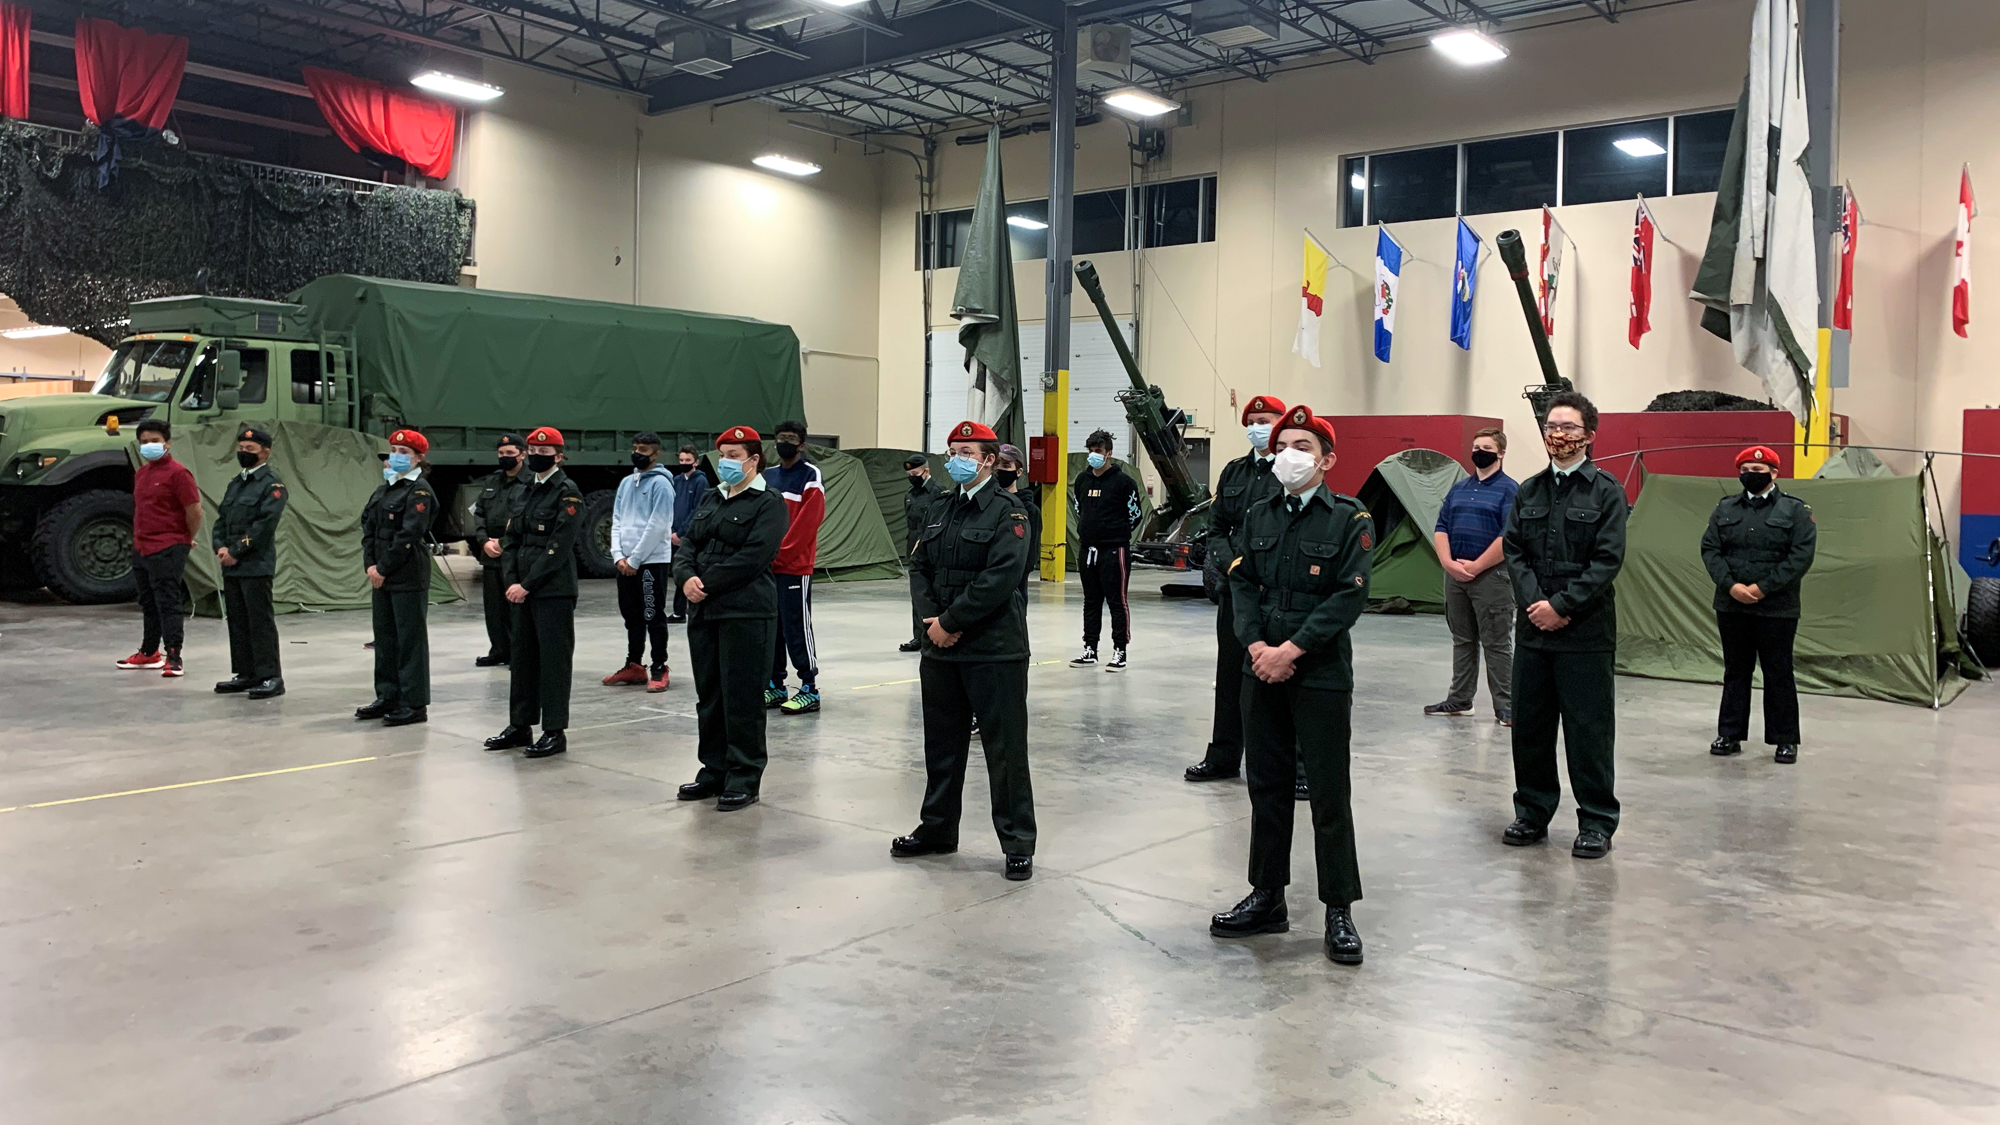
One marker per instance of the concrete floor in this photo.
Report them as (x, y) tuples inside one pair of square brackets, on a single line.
[(419, 932)]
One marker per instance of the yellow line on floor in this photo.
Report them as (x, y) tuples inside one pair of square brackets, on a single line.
[(190, 784), (893, 683)]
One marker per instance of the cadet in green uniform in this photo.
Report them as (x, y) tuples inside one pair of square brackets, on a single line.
[(395, 541), (969, 566), (500, 496), (245, 539), (1564, 544), (538, 554), (1298, 588), (1244, 481), (723, 567), (1758, 546), (1008, 476), (917, 504)]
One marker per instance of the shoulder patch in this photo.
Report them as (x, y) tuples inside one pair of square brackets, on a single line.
[(420, 505), (1020, 531), (1362, 514), (277, 492)]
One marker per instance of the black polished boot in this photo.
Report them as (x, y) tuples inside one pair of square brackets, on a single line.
[(374, 710), (910, 646), (730, 802), (1262, 912), (1787, 754), (404, 716), (1020, 867), (1523, 832), (550, 744), (269, 689), (1343, 941), (1724, 747), (698, 791), (234, 684), (1205, 771), (1590, 844), (489, 661), (511, 737), (914, 845)]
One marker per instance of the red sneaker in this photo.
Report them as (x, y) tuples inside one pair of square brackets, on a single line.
[(658, 680), (171, 667), (630, 674), (143, 660)]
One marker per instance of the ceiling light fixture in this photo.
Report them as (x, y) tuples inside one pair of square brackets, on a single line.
[(790, 167), (452, 86), (32, 331), (1467, 47), (1025, 223), (1139, 103), (1639, 146)]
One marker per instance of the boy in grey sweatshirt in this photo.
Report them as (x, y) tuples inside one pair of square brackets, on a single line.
[(642, 517)]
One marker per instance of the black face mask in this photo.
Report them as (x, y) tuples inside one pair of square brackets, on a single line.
[(540, 463), (1006, 477), (1754, 482), (509, 464), (788, 450), (246, 459), (642, 461), (680, 469), (917, 482), (1484, 458)]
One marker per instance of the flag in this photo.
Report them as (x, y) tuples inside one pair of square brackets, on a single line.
[(1552, 266), (1312, 302), (1850, 229), (1388, 274), (1961, 255), (983, 305), (1464, 279), (1641, 321), (1759, 279)]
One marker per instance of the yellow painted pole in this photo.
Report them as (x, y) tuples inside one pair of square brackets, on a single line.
[(1810, 449), (1055, 506)]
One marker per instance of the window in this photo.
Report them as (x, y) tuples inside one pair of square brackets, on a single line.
[(1354, 191), (1100, 222), (256, 376), (145, 370), (1699, 141), (954, 229), (1615, 162), (1422, 184), (305, 375), (1514, 174), (1171, 213)]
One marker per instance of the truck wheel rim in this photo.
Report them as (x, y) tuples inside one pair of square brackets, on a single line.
[(103, 550), (602, 536)]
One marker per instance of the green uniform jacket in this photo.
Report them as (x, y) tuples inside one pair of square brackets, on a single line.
[(969, 570), (1304, 579), (1766, 543), (1244, 481), (247, 522), (500, 497), (917, 505), (1024, 495), (1565, 545), (538, 549), (730, 545), (395, 533)]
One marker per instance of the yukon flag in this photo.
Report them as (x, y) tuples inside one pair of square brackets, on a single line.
[(1388, 275), (1961, 255), (1643, 231), (1312, 302), (1552, 268), (1850, 231)]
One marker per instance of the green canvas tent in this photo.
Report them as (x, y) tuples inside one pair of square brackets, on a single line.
[(854, 541), (329, 473), (1852, 462), (1879, 620), (1404, 495), (892, 483)]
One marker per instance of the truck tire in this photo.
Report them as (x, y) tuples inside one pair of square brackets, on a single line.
[(1982, 620), (593, 539), (82, 548)]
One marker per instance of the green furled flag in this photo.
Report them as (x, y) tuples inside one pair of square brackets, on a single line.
[(988, 326)]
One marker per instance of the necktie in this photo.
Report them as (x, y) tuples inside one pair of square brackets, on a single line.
[(1294, 505)]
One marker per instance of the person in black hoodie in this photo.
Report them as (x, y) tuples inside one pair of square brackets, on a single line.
[(1107, 510)]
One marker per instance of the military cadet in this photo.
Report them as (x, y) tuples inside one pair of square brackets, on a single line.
[(969, 565), (395, 547), (1297, 589), (1008, 476), (723, 566), (1564, 543), (538, 554), (1758, 547), (245, 538), (1244, 481), (500, 496), (917, 504)]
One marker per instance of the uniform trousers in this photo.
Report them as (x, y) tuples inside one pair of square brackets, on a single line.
[(1286, 725), (158, 578), (1106, 572), (499, 613), (916, 617), (795, 629), (1480, 614), (731, 658), (1573, 691), (402, 646), (1748, 640), (642, 602), (1225, 733), (544, 648), (997, 692), (253, 627)]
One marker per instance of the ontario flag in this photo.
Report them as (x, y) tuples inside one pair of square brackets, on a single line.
[(1850, 230), (1312, 301), (1643, 230), (1961, 258), (1552, 268)]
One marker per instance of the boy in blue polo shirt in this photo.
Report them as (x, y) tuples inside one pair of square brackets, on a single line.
[(1478, 599)]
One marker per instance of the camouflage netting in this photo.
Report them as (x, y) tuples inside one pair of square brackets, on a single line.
[(76, 256), (1704, 400)]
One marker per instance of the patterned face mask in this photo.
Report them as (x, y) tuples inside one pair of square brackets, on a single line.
[(1564, 446)]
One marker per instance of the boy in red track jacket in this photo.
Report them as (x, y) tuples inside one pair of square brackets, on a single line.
[(799, 482)]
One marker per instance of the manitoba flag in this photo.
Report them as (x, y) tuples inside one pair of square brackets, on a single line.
[(1641, 321), (1552, 266), (1312, 302), (1850, 229), (1961, 258)]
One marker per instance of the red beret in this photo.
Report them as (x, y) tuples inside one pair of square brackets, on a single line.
[(1762, 454), (411, 438), (973, 431), (545, 435), (1302, 418), (735, 435), (1262, 404)]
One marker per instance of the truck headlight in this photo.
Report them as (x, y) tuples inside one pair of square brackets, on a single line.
[(28, 464)]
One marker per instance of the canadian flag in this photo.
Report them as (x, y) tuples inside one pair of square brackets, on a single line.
[(1641, 321), (1961, 258)]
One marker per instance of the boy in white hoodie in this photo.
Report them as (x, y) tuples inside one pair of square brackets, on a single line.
[(642, 516)]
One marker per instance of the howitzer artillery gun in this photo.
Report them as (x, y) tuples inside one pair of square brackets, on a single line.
[(1553, 383)]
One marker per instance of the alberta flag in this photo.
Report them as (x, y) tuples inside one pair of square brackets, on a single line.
[(1464, 279), (1388, 274)]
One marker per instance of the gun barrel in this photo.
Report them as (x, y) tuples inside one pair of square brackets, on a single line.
[(1515, 255), (1086, 275)]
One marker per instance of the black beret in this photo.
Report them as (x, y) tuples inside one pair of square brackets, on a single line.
[(510, 439), (915, 459), (252, 433)]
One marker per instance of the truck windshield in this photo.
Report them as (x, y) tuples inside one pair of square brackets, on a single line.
[(145, 370)]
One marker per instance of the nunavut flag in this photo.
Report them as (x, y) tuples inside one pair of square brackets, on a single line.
[(1312, 302)]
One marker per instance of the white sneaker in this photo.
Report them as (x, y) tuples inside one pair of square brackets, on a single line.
[(1087, 660), (1117, 661)]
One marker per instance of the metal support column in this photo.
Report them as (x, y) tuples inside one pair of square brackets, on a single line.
[(1055, 355), (1819, 33)]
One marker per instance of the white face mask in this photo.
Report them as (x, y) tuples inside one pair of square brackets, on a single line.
[(1259, 434), (1293, 468)]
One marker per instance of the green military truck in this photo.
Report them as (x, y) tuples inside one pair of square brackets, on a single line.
[(462, 365)]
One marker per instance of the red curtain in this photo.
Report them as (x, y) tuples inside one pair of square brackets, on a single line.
[(126, 74), (13, 60), (369, 116)]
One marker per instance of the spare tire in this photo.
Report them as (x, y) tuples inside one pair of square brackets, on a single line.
[(82, 548), (593, 539), (1982, 620)]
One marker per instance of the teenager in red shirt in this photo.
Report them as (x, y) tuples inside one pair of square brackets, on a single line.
[(166, 516), (804, 490)]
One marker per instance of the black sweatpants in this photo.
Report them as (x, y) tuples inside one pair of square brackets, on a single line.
[(158, 577), (402, 646), (730, 659), (795, 629), (499, 613), (642, 602), (1573, 690), (1285, 726), (1748, 640), (1106, 572), (544, 647), (253, 627), (955, 691)]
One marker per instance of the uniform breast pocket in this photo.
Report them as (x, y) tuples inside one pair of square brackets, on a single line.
[(1582, 524), (1316, 559), (1532, 513), (1263, 542), (1233, 492), (1778, 528), (1729, 530)]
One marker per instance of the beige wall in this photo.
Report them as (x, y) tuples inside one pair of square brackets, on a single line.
[(68, 356)]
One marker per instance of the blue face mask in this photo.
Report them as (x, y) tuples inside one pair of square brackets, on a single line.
[(152, 450), (399, 463), (731, 472), (1259, 434), (1097, 460), (962, 468)]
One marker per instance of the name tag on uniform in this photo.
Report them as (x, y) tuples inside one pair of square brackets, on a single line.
[(1315, 570)]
